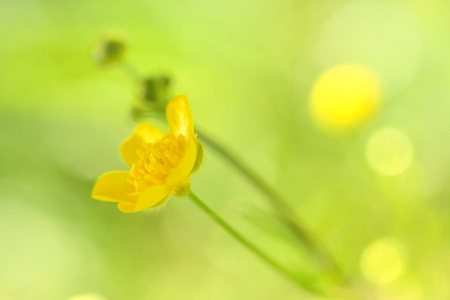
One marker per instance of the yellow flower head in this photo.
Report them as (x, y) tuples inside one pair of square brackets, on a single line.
[(161, 164)]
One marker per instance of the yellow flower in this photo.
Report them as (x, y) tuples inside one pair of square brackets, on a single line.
[(161, 164)]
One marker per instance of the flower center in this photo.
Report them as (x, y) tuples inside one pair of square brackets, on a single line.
[(156, 161)]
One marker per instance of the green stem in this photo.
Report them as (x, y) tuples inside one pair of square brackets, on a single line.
[(131, 71), (250, 246), (284, 212)]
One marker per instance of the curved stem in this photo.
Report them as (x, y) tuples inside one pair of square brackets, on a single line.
[(249, 245), (284, 212)]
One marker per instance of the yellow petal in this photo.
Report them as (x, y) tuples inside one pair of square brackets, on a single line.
[(179, 116), (180, 174), (114, 186), (150, 197), (143, 134), (126, 207)]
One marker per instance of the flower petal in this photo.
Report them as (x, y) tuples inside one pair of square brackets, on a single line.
[(150, 197), (114, 186), (126, 207), (180, 174), (179, 116), (143, 134)]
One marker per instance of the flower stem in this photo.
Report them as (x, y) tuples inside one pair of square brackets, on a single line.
[(131, 71), (283, 210), (250, 246)]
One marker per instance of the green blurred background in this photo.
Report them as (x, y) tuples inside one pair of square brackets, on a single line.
[(248, 68)]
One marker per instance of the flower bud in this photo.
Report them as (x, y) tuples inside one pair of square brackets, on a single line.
[(153, 92), (110, 49)]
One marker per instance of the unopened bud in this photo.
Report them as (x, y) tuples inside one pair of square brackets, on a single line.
[(154, 92), (109, 49)]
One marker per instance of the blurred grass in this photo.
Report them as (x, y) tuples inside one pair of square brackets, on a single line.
[(247, 68)]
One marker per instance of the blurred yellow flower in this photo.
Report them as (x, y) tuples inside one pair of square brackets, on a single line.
[(383, 261), (344, 96), (161, 164)]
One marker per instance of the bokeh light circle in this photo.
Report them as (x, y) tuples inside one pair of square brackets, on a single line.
[(389, 152), (382, 262), (91, 296), (344, 96)]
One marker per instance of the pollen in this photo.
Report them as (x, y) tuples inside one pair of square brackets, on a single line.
[(156, 161)]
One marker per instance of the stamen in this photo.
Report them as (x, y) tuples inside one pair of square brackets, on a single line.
[(156, 161)]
